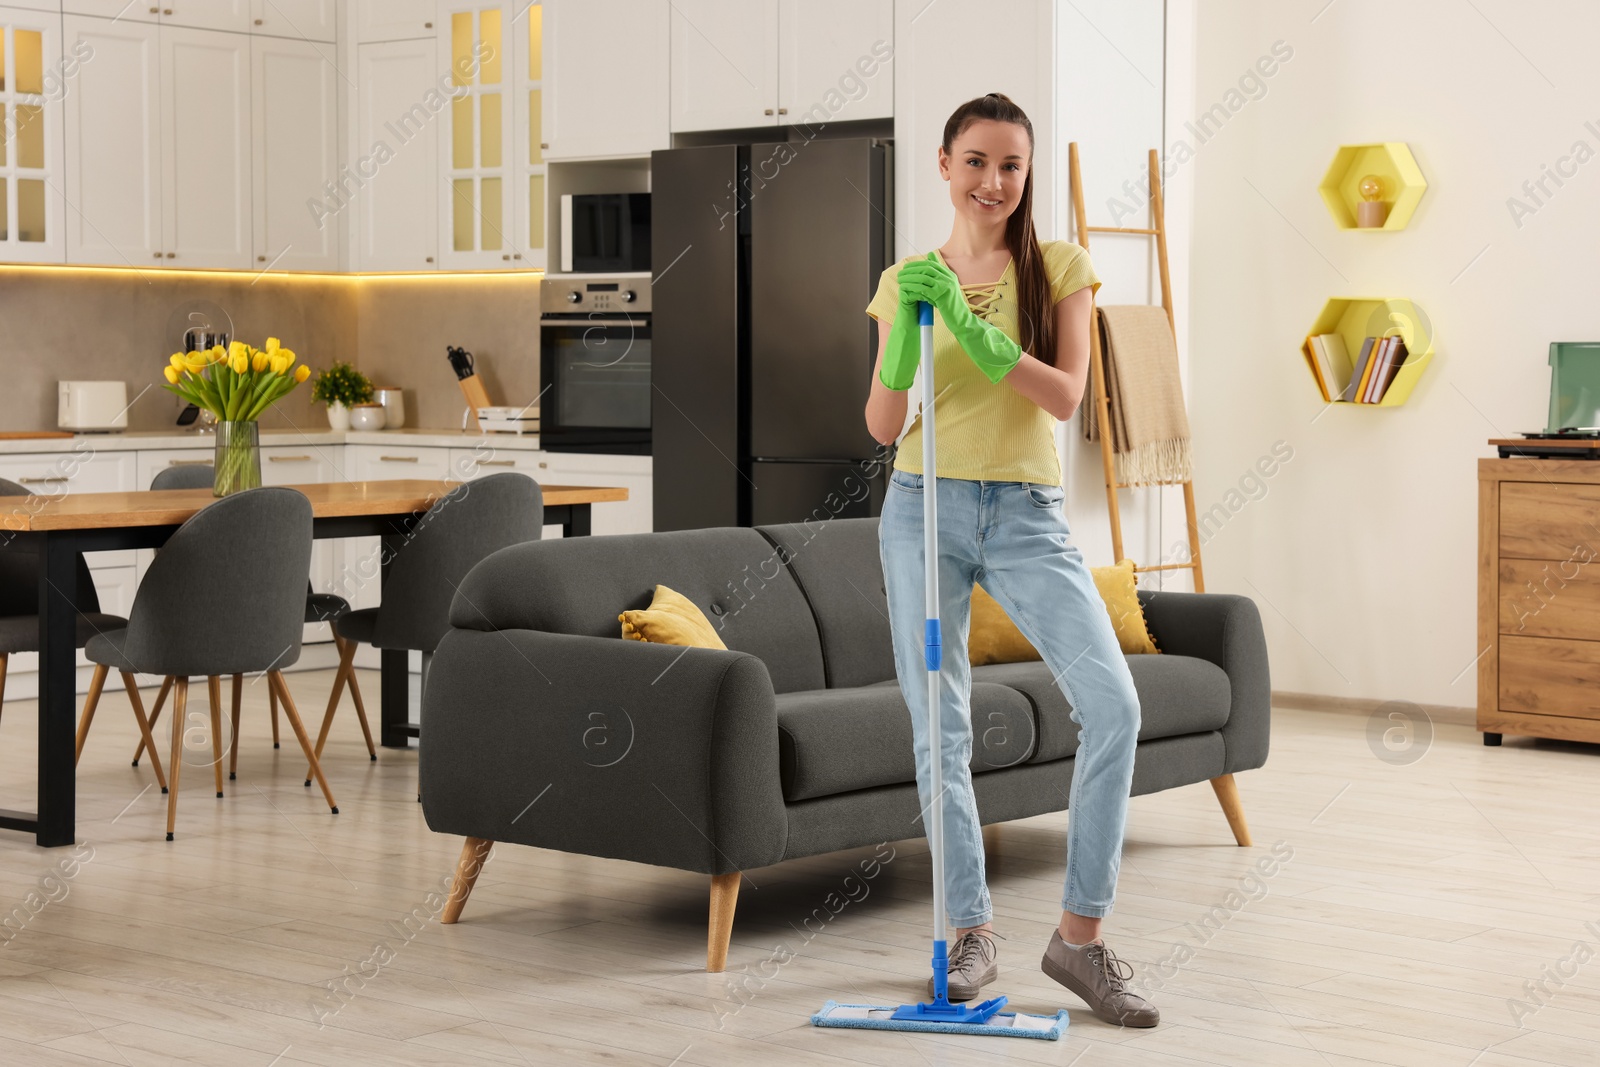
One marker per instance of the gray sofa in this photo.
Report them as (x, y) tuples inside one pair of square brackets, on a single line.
[(796, 741)]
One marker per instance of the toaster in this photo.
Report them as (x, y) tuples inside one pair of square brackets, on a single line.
[(92, 406)]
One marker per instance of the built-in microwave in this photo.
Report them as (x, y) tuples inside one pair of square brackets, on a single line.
[(594, 364), (605, 233)]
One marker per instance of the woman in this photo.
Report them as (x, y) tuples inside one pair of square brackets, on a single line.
[(1011, 355)]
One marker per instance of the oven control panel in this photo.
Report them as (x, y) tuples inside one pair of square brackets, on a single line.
[(619, 294)]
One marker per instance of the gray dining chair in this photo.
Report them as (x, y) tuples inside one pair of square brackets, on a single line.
[(19, 600), (320, 607), (461, 528), (225, 596)]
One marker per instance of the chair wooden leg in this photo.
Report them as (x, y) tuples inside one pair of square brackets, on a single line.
[(180, 708), (361, 707), (275, 678), (4, 658), (474, 854), (233, 744), (146, 738), (1228, 796), (724, 896), (91, 702), (347, 651), (272, 701), (214, 696), (155, 715)]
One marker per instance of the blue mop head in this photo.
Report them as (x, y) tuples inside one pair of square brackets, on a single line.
[(1007, 1024)]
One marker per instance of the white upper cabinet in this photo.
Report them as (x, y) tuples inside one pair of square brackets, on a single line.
[(619, 107), (37, 5), (394, 20), (121, 10), (295, 143), (307, 20), (205, 112), (744, 63), (113, 150), (476, 147), (399, 101), (724, 64), (31, 207), (230, 15), (527, 122), (835, 60)]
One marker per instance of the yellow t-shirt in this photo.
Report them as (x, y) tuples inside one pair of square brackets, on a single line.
[(987, 431)]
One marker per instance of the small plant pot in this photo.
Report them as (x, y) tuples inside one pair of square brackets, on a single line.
[(338, 417), (366, 417)]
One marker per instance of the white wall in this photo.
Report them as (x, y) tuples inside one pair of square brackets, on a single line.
[(1361, 549)]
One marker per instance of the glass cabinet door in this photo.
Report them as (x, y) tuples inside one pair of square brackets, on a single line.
[(31, 90), (477, 41), (530, 168)]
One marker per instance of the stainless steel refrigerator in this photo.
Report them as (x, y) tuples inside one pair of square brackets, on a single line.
[(764, 259)]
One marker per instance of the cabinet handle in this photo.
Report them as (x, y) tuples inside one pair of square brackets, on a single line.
[(188, 463), (172, 255), (768, 111), (53, 480), (261, 259), (544, 144), (155, 11), (542, 466), (497, 463), (505, 257), (398, 459), (427, 25), (283, 459), (258, 22), (517, 256), (783, 111), (166, 11), (429, 260)]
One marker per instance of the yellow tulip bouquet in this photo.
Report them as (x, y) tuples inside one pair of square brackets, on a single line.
[(236, 385)]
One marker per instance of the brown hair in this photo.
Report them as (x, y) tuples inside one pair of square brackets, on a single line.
[(1037, 329)]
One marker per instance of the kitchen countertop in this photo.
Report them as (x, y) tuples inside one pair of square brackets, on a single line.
[(124, 441)]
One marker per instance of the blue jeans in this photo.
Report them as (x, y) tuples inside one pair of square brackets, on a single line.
[(1011, 538)]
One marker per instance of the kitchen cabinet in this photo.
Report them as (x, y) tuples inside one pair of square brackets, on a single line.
[(606, 85), (476, 140), (295, 144), (309, 465), (398, 102), (744, 63), (634, 515), (230, 15), (37, 5), (306, 20), (394, 20), (158, 146), (527, 123), (205, 134), (31, 207), (724, 56)]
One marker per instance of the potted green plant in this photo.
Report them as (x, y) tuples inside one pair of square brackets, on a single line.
[(341, 387)]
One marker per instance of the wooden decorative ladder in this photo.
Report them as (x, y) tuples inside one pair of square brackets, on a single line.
[(1102, 400)]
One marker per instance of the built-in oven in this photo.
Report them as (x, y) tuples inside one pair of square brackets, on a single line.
[(594, 363)]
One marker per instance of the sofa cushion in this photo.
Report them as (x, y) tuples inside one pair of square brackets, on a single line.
[(840, 740), (577, 585), (837, 565), (671, 619), (1177, 695)]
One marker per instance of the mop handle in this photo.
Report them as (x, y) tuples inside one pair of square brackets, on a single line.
[(933, 650)]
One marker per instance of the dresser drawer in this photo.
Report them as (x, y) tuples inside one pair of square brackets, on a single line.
[(153, 461), (1551, 598), (1539, 520), (381, 462), (82, 470), (295, 465), (1549, 676)]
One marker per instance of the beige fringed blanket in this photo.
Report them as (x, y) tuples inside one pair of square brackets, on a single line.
[(1149, 425)]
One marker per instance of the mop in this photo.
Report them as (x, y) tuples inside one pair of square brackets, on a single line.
[(940, 1016)]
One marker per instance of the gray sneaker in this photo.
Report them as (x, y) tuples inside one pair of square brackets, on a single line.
[(972, 965), (1096, 975)]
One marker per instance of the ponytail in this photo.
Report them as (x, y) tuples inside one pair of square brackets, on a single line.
[(1036, 328)]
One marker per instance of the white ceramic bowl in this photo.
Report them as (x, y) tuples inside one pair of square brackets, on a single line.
[(366, 417)]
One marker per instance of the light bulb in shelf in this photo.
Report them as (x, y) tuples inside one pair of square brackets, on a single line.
[(1373, 210), (1371, 188)]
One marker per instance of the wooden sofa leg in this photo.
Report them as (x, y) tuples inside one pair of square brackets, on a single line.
[(474, 854), (1228, 796), (724, 897)]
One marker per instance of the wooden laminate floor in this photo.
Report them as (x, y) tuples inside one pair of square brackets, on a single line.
[(1411, 910)]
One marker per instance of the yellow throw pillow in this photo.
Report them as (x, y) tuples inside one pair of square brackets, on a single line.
[(671, 619), (994, 638)]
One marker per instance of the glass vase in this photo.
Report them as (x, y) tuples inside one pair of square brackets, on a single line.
[(237, 458)]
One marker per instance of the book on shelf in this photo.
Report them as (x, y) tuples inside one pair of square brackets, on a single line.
[(1394, 358), (1358, 375), (1330, 362)]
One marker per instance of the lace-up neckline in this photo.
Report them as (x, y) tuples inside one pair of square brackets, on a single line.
[(981, 296)]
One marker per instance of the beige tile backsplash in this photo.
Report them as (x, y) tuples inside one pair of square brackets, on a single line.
[(68, 324)]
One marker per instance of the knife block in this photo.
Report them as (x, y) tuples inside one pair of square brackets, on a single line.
[(477, 397)]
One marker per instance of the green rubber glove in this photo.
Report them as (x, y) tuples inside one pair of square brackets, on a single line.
[(986, 345), (904, 351)]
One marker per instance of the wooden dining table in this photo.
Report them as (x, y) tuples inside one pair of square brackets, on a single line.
[(62, 526)]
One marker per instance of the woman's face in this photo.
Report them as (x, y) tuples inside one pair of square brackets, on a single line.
[(987, 167)]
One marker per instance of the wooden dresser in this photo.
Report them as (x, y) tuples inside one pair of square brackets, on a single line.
[(1539, 598)]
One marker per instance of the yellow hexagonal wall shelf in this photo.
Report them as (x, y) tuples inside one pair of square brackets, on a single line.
[(1396, 170), (1357, 318)]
